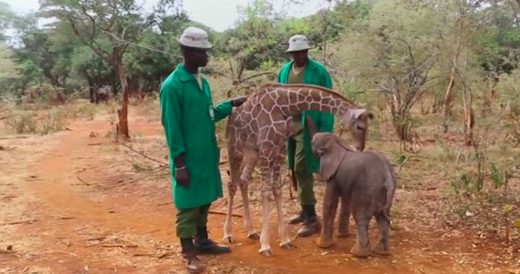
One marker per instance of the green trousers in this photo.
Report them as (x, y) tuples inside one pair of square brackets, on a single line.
[(304, 177), (189, 219)]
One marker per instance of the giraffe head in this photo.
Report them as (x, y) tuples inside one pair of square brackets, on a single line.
[(357, 120)]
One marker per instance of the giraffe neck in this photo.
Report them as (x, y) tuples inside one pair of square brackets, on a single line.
[(307, 97)]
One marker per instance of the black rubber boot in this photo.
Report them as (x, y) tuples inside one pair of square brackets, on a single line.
[(311, 224), (193, 263), (203, 245), (296, 219)]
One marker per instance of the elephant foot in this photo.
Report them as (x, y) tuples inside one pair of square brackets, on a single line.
[(229, 239), (381, 249), (343, 233), (288, 246), (324, 243), (266, 252), (360, 252), (254, 236)]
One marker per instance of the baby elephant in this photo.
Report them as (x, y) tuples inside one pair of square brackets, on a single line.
[(366, 181)]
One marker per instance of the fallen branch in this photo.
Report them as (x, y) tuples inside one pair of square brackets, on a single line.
[(163, 164), (95, 144), (163, 204), (19, 222), (223, 213), (15, 137), (166, 254), (100, 238), (83, 181), (119, 245), (150, 232)]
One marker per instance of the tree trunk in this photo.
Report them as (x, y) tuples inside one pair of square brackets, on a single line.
[(448, 97), (91, 89), (469, 118), (401, 119), (122, 128)]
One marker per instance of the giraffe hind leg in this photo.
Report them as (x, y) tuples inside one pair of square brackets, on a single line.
[(234, 166), (228, 236), (248, 224)]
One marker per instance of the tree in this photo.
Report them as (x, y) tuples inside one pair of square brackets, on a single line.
[(8, 69), (106, 27), (6, 16), (393, 52)]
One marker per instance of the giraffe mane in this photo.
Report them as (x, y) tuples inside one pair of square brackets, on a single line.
[(323, 89)]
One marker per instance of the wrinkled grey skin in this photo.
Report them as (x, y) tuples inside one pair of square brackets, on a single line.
[(366, 183)]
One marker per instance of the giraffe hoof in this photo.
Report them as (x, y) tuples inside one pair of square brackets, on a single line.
[(267, 252), (288, 246), (254, 236), (229, 239)]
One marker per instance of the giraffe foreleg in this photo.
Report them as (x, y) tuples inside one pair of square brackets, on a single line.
[(283, 233), (277, 187), (265, 247)]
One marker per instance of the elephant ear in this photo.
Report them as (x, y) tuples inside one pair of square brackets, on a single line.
[(330, 161)]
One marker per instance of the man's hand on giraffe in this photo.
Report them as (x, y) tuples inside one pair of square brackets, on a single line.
[(238, 101)]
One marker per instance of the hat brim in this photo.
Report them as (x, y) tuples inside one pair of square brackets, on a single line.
[(297, 49), (206, 45)]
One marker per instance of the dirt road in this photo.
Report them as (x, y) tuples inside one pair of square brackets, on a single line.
[(72, 202)]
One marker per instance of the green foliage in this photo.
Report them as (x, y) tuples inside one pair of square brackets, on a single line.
[(401, 159), (468, 183), (8, 67), (6, 17), (516, 224), (497, 178)]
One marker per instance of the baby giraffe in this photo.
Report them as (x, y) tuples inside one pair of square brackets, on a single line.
[(366, 183)]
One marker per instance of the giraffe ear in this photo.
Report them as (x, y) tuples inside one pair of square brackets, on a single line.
[(354, 114)]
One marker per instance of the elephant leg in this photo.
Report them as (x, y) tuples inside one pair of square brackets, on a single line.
[(362, 247), (343, 218), (330, 204), (383, 247)]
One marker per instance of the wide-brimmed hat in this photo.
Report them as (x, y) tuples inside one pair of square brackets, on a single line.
[(298, 42), (195, 38)]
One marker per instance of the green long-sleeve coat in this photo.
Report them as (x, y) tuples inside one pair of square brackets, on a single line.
[(316, 74), (188, 118)]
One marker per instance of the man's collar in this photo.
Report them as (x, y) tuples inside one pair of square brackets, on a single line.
[(310, 63), (184, 75)]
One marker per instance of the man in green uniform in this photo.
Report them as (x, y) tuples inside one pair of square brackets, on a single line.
[(302, 162), (188, 118)]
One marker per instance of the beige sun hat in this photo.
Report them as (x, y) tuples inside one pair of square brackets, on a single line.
[(298, 42), (195, 38)]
